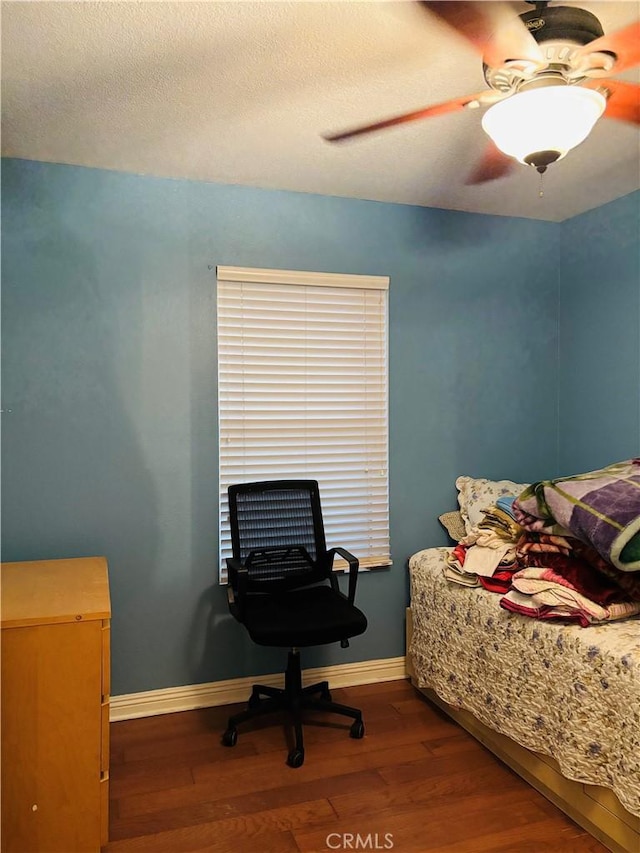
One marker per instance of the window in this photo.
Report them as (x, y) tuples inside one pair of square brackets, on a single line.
[(302, 393)]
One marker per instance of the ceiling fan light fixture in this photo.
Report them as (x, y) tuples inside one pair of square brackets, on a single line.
[(551, 120)]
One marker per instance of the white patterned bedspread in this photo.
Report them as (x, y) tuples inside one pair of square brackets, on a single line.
[(561, 690)]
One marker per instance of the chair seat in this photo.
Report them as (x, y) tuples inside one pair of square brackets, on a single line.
[(304, 617)]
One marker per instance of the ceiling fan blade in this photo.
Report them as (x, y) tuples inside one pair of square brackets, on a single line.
[(623, 103), (624, 43), (494, 29), (492, 165), (427, 112)]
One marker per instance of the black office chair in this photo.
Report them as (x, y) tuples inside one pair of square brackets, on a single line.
[(277, 588)]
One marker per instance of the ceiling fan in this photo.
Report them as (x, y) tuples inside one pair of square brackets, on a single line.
[(549, 72)]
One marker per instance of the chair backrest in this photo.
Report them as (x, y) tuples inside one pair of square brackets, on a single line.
[(277, 532)]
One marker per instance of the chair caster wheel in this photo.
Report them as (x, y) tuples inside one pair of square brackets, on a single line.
[(296, 758), (230, 737), (357, 730)]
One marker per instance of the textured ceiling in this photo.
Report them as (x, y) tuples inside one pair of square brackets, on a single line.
[(239, 92)]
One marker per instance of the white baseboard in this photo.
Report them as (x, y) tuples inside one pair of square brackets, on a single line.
[(129, 706)]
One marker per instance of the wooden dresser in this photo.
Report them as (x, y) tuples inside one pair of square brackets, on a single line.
[(55, 705)]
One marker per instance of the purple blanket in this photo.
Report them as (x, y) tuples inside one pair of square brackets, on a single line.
[(602, 508)]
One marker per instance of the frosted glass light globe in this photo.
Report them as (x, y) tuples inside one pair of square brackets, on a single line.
[(555, 118)]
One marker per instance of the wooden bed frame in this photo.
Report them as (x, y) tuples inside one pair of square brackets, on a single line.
[(594, 808)]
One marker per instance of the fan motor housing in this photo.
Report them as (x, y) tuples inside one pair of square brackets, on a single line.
[(562, 23), (560, 31)]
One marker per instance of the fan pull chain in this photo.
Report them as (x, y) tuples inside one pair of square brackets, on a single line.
[(541, 191)]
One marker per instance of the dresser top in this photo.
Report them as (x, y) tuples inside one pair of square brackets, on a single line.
[(44, 591)]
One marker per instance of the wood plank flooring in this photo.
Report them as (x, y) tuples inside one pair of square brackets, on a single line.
[(415, 783)]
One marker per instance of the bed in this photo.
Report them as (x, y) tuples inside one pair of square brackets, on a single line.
[(531, 689)]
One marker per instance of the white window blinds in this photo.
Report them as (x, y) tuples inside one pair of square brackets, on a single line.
[(302, 393)]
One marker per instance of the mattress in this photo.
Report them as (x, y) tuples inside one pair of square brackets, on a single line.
[(560, 690)]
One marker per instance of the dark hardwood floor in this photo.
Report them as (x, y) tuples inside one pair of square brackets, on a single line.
[(415, 783)]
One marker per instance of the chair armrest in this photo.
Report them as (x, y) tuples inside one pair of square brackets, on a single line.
[(354, 564), (236, 587)]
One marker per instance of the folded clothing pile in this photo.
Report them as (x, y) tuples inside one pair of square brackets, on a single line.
[(554, 567)]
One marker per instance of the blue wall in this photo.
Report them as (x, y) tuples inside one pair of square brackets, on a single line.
[(599, 351), (109, 386)]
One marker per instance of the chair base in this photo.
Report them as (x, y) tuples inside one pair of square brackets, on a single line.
[(294, 699)]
